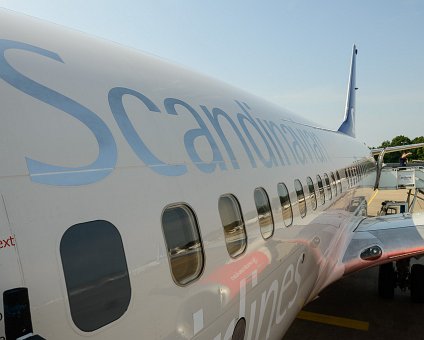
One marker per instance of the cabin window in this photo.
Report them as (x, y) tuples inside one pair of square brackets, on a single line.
[(339, 182), (321, 190), (184, 245), (327, 187), (349, 177), (300, 197), (96, 274), (233, 224), (333, 183), (345, 175), (311, 189), (286, 207), (263, 208)]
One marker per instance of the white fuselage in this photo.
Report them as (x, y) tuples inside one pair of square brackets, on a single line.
[(92, 131)]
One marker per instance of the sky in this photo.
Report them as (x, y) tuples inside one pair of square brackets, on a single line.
[(295, 53)]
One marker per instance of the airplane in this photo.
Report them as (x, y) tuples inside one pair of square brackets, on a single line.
[(142, 200)]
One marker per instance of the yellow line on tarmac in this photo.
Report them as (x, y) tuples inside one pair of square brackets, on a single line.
[(334, 320), (373, 196)]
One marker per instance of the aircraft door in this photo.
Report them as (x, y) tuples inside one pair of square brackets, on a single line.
[(10, 273)]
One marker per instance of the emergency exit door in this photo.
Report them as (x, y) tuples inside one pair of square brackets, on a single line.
[(10, 273)]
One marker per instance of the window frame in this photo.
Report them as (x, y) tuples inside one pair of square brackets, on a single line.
[(261, 227), (321, 190), (197, 229), (328, 186), (80, 235), (238, 211), (312, 195), (289, 206), (333, 182), (350, 177), (301, 201), (339, 181)]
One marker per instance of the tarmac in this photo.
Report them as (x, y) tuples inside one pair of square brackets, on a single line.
[(351, 307)]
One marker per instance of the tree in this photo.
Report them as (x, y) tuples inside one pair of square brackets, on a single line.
[(385, 144), (400, 140), (418, 153), (397, 141), (394, 157)]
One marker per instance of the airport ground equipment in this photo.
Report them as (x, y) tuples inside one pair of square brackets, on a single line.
[(400, 273)]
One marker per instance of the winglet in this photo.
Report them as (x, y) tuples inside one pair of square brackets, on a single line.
[(348, 125)]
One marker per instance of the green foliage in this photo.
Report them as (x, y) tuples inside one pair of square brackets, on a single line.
[(418, 153), (400, 140), (385, 144), (403, 140)]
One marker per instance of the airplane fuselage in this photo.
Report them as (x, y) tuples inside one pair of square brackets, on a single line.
[(118, 171)]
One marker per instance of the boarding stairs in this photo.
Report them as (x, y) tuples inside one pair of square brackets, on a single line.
[(400, 177)]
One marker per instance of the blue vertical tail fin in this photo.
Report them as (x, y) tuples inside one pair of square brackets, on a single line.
[(348, 125)]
